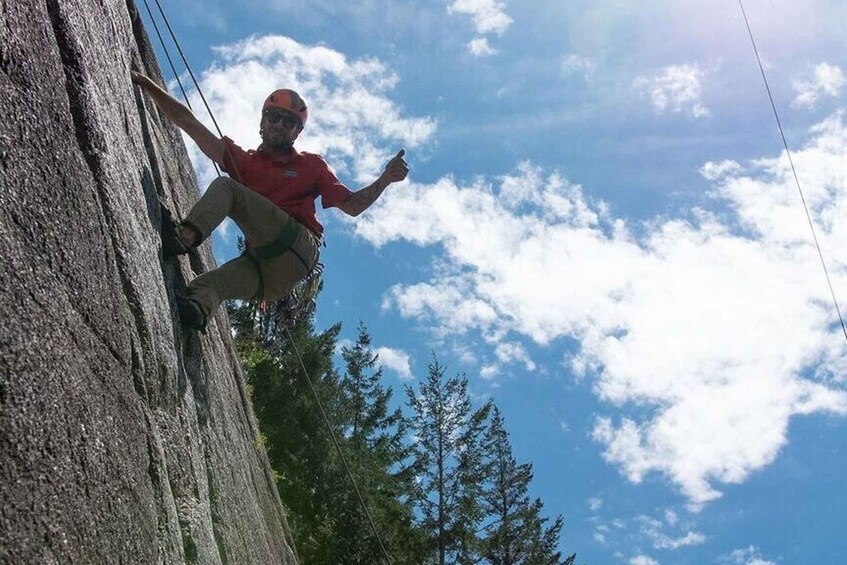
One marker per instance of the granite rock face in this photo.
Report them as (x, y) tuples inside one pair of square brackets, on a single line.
[(123, 438)]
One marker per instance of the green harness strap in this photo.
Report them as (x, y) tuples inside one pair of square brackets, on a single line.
[(274, 249)]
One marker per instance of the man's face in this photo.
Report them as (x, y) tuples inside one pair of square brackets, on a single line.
[(279, 128)]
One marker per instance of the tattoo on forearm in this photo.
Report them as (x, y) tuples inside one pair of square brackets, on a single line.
[(362, 199)]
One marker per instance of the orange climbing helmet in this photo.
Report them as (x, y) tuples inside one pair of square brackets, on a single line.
[(289, 101)]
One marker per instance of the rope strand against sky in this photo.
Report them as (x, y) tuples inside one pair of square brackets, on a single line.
[(168, 55), (794, 170)]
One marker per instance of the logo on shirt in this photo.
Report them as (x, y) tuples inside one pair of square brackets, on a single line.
[(290, 174)]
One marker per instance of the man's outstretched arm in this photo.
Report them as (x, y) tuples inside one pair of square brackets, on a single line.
[(210, 144), (396, 170)]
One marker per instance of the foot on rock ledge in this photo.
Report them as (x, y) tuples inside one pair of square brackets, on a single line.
[(191, 314), (172, 244)]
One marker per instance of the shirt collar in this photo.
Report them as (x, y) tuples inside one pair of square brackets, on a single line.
[(283, 159)]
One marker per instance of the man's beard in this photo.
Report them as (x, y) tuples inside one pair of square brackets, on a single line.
[(279, 145)]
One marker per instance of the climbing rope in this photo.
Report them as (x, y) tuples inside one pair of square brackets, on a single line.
[(338, 448), (284, 306), (168, 55), (793, 169), (184, 62)]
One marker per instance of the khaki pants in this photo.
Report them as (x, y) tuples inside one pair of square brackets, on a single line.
[(262, 222)]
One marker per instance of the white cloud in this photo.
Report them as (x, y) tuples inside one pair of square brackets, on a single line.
[(654, 530), (690, 538), (395, 359), (826, 80), (595, 504), (642, 560), (714, 171), (226, 228), (745, 556), (670, 517), (479, 46), (511, 352), (489, 18), (719, 329), (677, 89), (353, 122), (578, 64), (465, 354), (490, 371)]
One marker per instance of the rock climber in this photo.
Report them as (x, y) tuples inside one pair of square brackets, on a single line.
[(270, 194)]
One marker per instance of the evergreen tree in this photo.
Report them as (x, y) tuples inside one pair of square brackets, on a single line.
[(379, 456), (366, 401), (544, 540), (310, 478), (516, 533), (458, 474), (447, 464), (325, 514)]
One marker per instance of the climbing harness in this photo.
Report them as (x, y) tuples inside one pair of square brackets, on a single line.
[(298, 301), (793, 170), (281, 245)]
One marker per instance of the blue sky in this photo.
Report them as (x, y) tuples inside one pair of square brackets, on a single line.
[(600, 228)]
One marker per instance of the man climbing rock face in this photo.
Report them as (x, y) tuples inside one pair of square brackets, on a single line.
[(270, 195)]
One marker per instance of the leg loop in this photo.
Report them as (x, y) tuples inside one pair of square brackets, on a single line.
[(274, 249), (260, 292)]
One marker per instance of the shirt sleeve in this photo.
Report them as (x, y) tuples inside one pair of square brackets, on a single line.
[(332, 191), (233, 159)]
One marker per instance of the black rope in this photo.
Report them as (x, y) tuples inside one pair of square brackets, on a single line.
[(794, 170), (187, 66), (290, 337), (168, 55)]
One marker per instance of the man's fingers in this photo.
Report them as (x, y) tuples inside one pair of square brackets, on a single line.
[(397, 167), (398, 157)]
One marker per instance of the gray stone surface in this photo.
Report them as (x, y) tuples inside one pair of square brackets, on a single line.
[(123, 439)]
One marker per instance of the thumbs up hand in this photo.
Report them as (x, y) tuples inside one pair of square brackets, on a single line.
[(397, 169)]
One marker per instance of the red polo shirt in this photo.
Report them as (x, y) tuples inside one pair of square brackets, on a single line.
[(292, 182)]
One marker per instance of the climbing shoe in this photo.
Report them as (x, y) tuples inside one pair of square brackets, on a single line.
[(191, 314), (172, 244)]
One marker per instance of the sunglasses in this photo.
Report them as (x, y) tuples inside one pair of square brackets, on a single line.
[(288, 121)]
